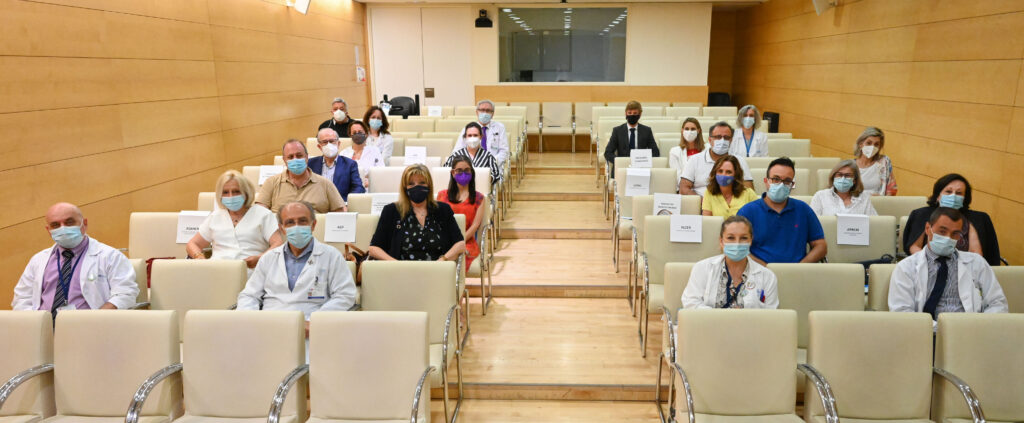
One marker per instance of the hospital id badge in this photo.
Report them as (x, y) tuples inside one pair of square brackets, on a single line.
[(318, 291), (67, 307)]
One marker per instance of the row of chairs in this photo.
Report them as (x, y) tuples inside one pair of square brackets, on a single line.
[(860, 367), (371, 364)]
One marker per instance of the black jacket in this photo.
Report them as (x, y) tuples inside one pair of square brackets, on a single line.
[(980, 222), (618, 144), (388, 237)]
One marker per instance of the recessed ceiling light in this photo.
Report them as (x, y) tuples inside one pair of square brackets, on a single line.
[(506, 10)]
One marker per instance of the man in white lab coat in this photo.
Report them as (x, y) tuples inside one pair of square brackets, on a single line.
[(302, 274), (77, 272), (940, 279)]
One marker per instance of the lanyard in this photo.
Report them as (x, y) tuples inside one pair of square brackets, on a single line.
[(66, 283), (729, 299), (748, 142)]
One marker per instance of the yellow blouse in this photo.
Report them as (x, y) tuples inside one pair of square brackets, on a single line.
[(716, 203)]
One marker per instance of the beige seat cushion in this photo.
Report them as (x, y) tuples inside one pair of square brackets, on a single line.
[(317, 420), (435, 360), (770, 418), (821, 419), (474, 268), (20, 419), (203, 419), (116, 419)]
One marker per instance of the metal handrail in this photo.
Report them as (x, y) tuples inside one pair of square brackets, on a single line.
[(418, 393), (973, 404), (139, 399), (686, 391), (8, 388), (828, 399), (277, 403)]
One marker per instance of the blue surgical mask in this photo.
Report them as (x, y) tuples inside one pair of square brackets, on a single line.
[(736, 252), (724, 180), (842, 184), (748, 121), (67, 236), (233, 203), (485, 118), (375, 124), (778, 192), (942, 245), (297, 166), (951, 200), (299, 236)]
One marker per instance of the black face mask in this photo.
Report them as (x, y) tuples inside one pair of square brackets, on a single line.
[(632, 119), (418, 193)]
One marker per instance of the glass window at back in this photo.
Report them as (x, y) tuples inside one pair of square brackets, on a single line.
[(562, 44)]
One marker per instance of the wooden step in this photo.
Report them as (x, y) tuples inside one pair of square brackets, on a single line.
[(532, 411), (550, 291), (557, 196), (544, 391), (540, 233), (561, 170)]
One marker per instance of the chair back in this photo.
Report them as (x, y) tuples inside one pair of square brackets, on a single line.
[(720, 111), (154, 234), (413, 125), (789, 148), (141, 279), (427, 286), (206, 201), (585, 113), (682, 112), (660, 249), (366, 224), (399, 161), (28, 342), (1011, 279), (436, 147), (882, 240), (557, 114), (807, 287), (386, 179), (878, 286), (897, 205), (184, 285)]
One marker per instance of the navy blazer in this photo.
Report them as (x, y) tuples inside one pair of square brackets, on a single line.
[(346, 174)]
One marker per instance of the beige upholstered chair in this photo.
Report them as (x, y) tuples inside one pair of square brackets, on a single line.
[(368, 367), (676, 277), (728, 111), (658, 250), (440, 135), (153, 234), (428, 287), (465, 110), (556, 119), (780, 135), (624, 163), (366, 224), (413, 125), (360, 202), (882, 241), (184, 285), (789, 148), (139, 265), (452, 125), (643, 207), (879, 365), (807, 287), (737, 366), (386, 179), (1011, 279), (897, 206), (235, 362), (584, 117), (27, 350), (206, 201), (665, 126), (682, 112), (878, 286), (984, 351), (481, 267), (532, 115), (104, 358), (436, 147), (399, 161), (663, 181)]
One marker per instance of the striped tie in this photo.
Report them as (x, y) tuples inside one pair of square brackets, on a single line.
[(60, 296)]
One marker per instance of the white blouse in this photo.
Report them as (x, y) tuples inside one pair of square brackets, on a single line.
[(371, 157), (827, 203), (677, 160), (871, 177), (385, 143), (251, 237)]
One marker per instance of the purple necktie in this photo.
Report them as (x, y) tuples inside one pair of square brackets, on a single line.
[(483, 139)]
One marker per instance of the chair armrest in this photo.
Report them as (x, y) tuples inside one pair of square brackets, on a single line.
[(233, 307), (444, 337), (8, 388), (970, 398), (418, 393), (828, 399), (139, 399), (141, 306), (671, 333), (647, 275), (277, 403), (686, 390)]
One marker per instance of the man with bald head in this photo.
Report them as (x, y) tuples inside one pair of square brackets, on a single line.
[(342, 171), (77, 272)]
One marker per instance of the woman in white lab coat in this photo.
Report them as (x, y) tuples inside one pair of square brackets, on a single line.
[(731, 280), (748, 141)]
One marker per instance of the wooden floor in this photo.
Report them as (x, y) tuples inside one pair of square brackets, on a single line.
[(558, 343)]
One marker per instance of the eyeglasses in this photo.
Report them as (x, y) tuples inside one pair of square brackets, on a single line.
[(720, 137), (462, 171), (329, 141), (844, 175), (787, 182), (483, 110)]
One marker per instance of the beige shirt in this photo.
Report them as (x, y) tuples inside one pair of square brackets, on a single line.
[(279, 190)]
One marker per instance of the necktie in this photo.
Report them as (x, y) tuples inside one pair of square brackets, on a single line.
[(632, 138), (60, 296), (483, 138), (940, 285)]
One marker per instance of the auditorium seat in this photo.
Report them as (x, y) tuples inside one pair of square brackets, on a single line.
[(427, 287), (407, 125), (1011, 279), (658, 250), (234, 361), (652, 110), (450, 125), (729, 112), (380, 377), (405, 134), (789, 148), (878, 286), (139, 265), (440, 135), (435, 147), (532, 114), (687, 104), (206, 201), (366, 225), (102, 357), (399, 161), (682, 112), (153, 234), (398, 146), (385, 179), (252, 173), (622, 163), (897, 206), (184, 285), (666, 126), (879, 365), (584, 117), (556, 119), (27, 350), (738, 365), (983, 350), (778, 135), (480, 267), (807, 287), (663, 181), (421, 117), (802, 179), (465, 110), (677, 275), (882, 241), (666, 141), (360, 203), (643, 207)]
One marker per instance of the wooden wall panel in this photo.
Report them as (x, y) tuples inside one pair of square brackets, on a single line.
[(943, 78), (722, 51), (592, 93), (138, 105)]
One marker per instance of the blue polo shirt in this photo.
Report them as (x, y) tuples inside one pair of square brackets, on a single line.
[(782, 237)]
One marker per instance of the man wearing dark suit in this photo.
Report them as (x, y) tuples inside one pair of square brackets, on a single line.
[(341, 170), (630, 135)]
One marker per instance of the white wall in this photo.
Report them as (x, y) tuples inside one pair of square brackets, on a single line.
[(668, 43), (396, 52)]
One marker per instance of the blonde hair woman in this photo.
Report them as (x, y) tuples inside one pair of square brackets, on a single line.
[(875, 167), (416, 227), (237, 229), (691, 142)]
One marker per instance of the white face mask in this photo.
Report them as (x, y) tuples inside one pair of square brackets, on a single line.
[(869, 151), (330, 150), (689, 135), (720, 147), (339, 114), (748, 121), (473, 142)]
